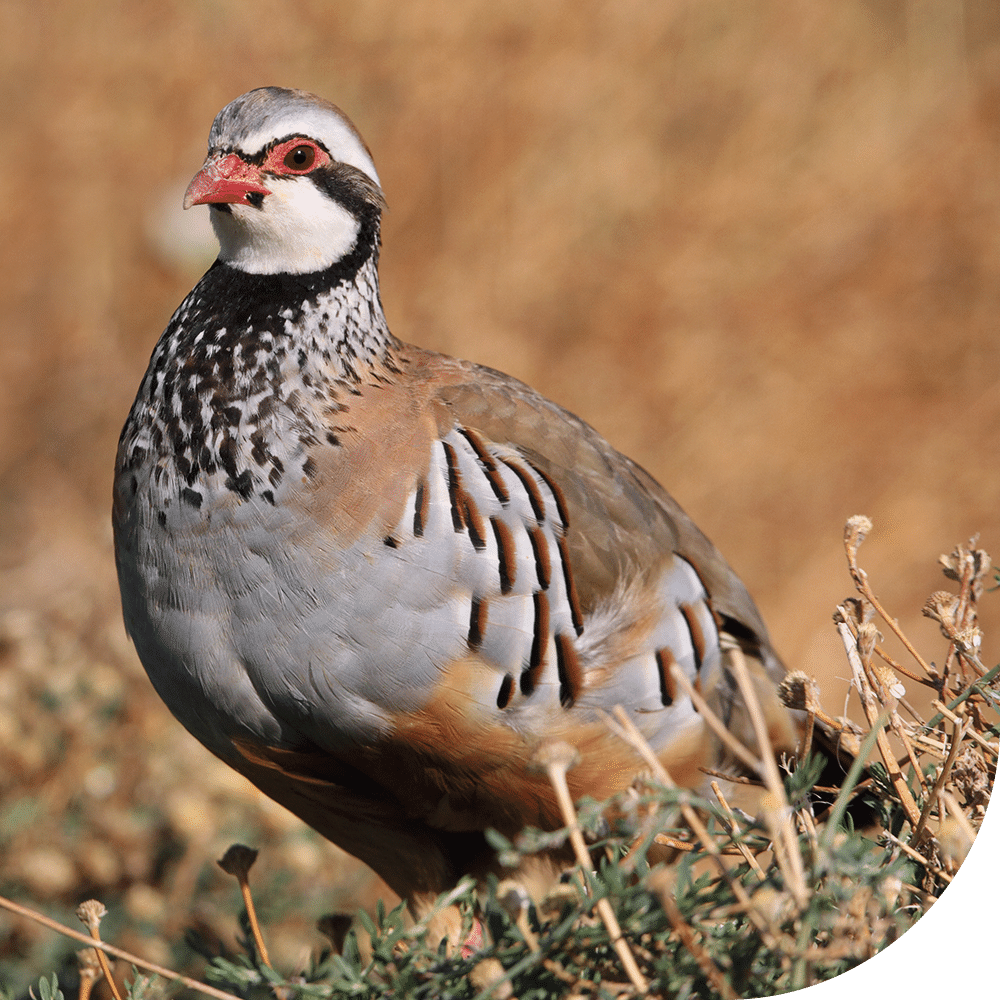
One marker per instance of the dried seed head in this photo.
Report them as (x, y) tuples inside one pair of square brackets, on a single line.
[(968, 640), (237, 861), (892, 687), (942, 606), (868, 637), (856, 530), (798, 690), (554, 754), (966, 562), (857, 611), (88, 964), (90, 914), (90, 971), (971, 776)]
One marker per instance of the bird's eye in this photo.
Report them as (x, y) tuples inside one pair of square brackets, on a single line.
[(300, 157)]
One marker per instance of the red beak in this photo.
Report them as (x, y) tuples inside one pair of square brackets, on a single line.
[(227, 179)]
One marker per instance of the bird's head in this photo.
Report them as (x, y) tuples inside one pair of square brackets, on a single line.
[(290, 183)]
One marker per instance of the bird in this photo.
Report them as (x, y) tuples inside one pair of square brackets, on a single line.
[(375, 579)]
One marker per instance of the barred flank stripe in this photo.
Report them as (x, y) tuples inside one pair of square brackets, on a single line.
[(536, 660), (540, 549), (493, 477), (568, 667), (530, 487), (506, 555), (541, 636), (557, 495), (668, 686), (477, 621), (420, 503), (571, 595), (697, 636), (473, 521), (454, 486), (506, 691)]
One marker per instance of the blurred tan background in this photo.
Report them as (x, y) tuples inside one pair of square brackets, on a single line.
[(756, 245)]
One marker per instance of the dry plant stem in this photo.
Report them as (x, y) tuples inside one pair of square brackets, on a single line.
[(674, 843), (687, 847), (88, 962), (911, 754), (556, 767), (687, 936), (90, 914), (103, 946), (931, 747), (108, 975), (872, 713), (805, 746), (809, 825), (958, 735), (895, 722), (780, 815), (972, 733), (851, 542), (735, 829), (904, 670), (917, 856), (254, 925), (714, 722), (914, 714), (237, 861), (623, 727), (976, 687), (733, 779)]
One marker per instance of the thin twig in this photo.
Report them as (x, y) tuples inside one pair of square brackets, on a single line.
[(556, 758), (957, 736), (854, 534), (237, 861), (780, 812), (687, 936), (896, 665), (158, 970), (977, 737), (872, 713), (734, 830), (90, 914), (976, 687), (714, 722), (917, 856), (623, 727)]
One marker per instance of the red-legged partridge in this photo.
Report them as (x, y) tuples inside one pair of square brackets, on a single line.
[(375, 579)]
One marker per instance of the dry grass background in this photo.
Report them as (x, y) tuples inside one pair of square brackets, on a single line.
[(756, 245)]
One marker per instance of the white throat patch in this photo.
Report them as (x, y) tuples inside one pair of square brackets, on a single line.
[(298, 229)]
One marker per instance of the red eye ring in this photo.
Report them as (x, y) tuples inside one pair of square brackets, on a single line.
[(300, 158)]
